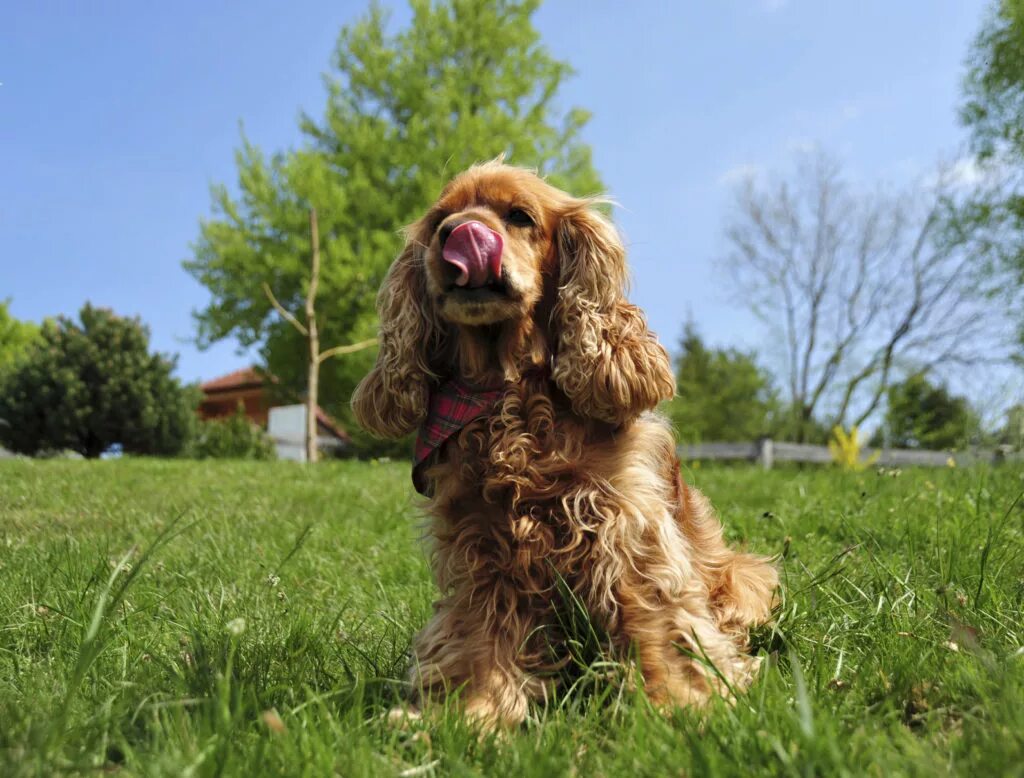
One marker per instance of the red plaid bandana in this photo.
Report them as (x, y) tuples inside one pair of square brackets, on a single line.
[(453, 405)]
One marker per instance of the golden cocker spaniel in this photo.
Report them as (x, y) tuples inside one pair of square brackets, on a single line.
[(506, 338)]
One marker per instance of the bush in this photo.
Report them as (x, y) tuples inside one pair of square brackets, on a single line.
[(88, 386), (722, 394), (233, 437)]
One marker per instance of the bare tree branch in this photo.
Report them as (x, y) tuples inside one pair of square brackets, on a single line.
[(350, 349), (285, 313)]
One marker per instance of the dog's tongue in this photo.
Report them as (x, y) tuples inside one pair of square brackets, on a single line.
[(475, 249)]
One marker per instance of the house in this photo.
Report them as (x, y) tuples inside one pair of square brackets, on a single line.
[(222, 395), (286, 424)]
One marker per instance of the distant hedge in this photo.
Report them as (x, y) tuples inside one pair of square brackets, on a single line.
[(233, 437)]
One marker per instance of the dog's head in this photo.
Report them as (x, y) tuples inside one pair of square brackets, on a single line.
[(503, 273)]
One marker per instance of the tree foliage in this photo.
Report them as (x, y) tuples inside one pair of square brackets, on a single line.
[(722, 394), (15, 336), (993, 111), (920, 414), (465, 81), (89, 385)]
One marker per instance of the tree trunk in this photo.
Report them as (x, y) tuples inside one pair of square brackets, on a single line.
[(311, 333), (313, 376)]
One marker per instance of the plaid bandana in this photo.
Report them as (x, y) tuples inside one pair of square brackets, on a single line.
[(453, 405)]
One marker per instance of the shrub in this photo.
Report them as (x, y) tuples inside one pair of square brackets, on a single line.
[(846, 449), (89, 385), (233, 437)]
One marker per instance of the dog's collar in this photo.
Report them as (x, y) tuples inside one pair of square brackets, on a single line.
[(453, 405)]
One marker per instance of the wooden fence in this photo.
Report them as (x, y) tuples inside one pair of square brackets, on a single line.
[(767, 452)]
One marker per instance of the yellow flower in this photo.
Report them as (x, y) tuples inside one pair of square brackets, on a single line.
[(846, 448)]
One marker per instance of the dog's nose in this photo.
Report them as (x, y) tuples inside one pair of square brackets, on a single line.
[(474, 249)]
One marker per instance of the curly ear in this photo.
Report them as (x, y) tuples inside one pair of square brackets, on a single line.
[(391, 401), (609, 365)]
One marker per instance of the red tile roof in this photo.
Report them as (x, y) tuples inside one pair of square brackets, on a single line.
[(329, 424), (240, 379)]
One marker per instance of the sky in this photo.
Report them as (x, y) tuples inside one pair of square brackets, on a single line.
[(117, 117)]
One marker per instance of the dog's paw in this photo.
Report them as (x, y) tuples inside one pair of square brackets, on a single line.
[(401, 717)]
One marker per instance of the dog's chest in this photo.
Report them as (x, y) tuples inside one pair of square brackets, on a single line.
[(513, 482)]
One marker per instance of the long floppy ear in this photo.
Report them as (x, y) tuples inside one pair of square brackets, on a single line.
[(609, 365), (391, 401)]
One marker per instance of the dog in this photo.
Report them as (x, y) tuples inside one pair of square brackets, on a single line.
[(507, 340)]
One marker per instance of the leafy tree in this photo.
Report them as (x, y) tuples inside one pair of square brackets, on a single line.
[(465, 81), (94, 384), (15, 336), (993, 110), (233, 437), (921, 414), (722, 394)]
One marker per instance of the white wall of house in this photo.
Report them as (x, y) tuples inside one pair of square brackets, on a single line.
[(286, 425)]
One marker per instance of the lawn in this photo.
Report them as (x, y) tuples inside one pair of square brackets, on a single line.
[(172, 618)]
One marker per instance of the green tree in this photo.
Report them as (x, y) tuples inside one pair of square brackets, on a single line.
[(94, 384), (921, 414), (15, 336), (722, 394), (992, 216), (465, 81)]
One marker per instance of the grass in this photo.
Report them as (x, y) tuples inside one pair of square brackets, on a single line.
[(173, 618)]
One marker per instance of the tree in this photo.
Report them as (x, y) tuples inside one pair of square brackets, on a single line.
[(90, 385), (15, 336), (920, 414), (315, 357), (722, 394), (853, 285), (466, 81), (992, 215)]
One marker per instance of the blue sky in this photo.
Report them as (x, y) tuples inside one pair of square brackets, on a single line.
[(116, 117)]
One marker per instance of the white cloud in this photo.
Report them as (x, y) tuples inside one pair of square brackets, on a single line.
[(967, 173), (797, 146), (737, 174), (851, 109)]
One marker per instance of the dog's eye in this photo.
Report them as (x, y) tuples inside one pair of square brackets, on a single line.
[(436, 218), (517, 217)]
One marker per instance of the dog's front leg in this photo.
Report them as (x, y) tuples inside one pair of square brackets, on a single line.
[(469, 649), (684, 656)]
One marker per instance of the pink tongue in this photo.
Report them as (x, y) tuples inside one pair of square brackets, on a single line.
[(475, 249)]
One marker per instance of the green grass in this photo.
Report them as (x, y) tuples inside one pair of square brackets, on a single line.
[(152, 613)]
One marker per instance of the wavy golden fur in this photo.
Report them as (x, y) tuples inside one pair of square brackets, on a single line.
[(572, 475)]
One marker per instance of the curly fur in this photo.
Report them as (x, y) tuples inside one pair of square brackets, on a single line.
[(571, 477)]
